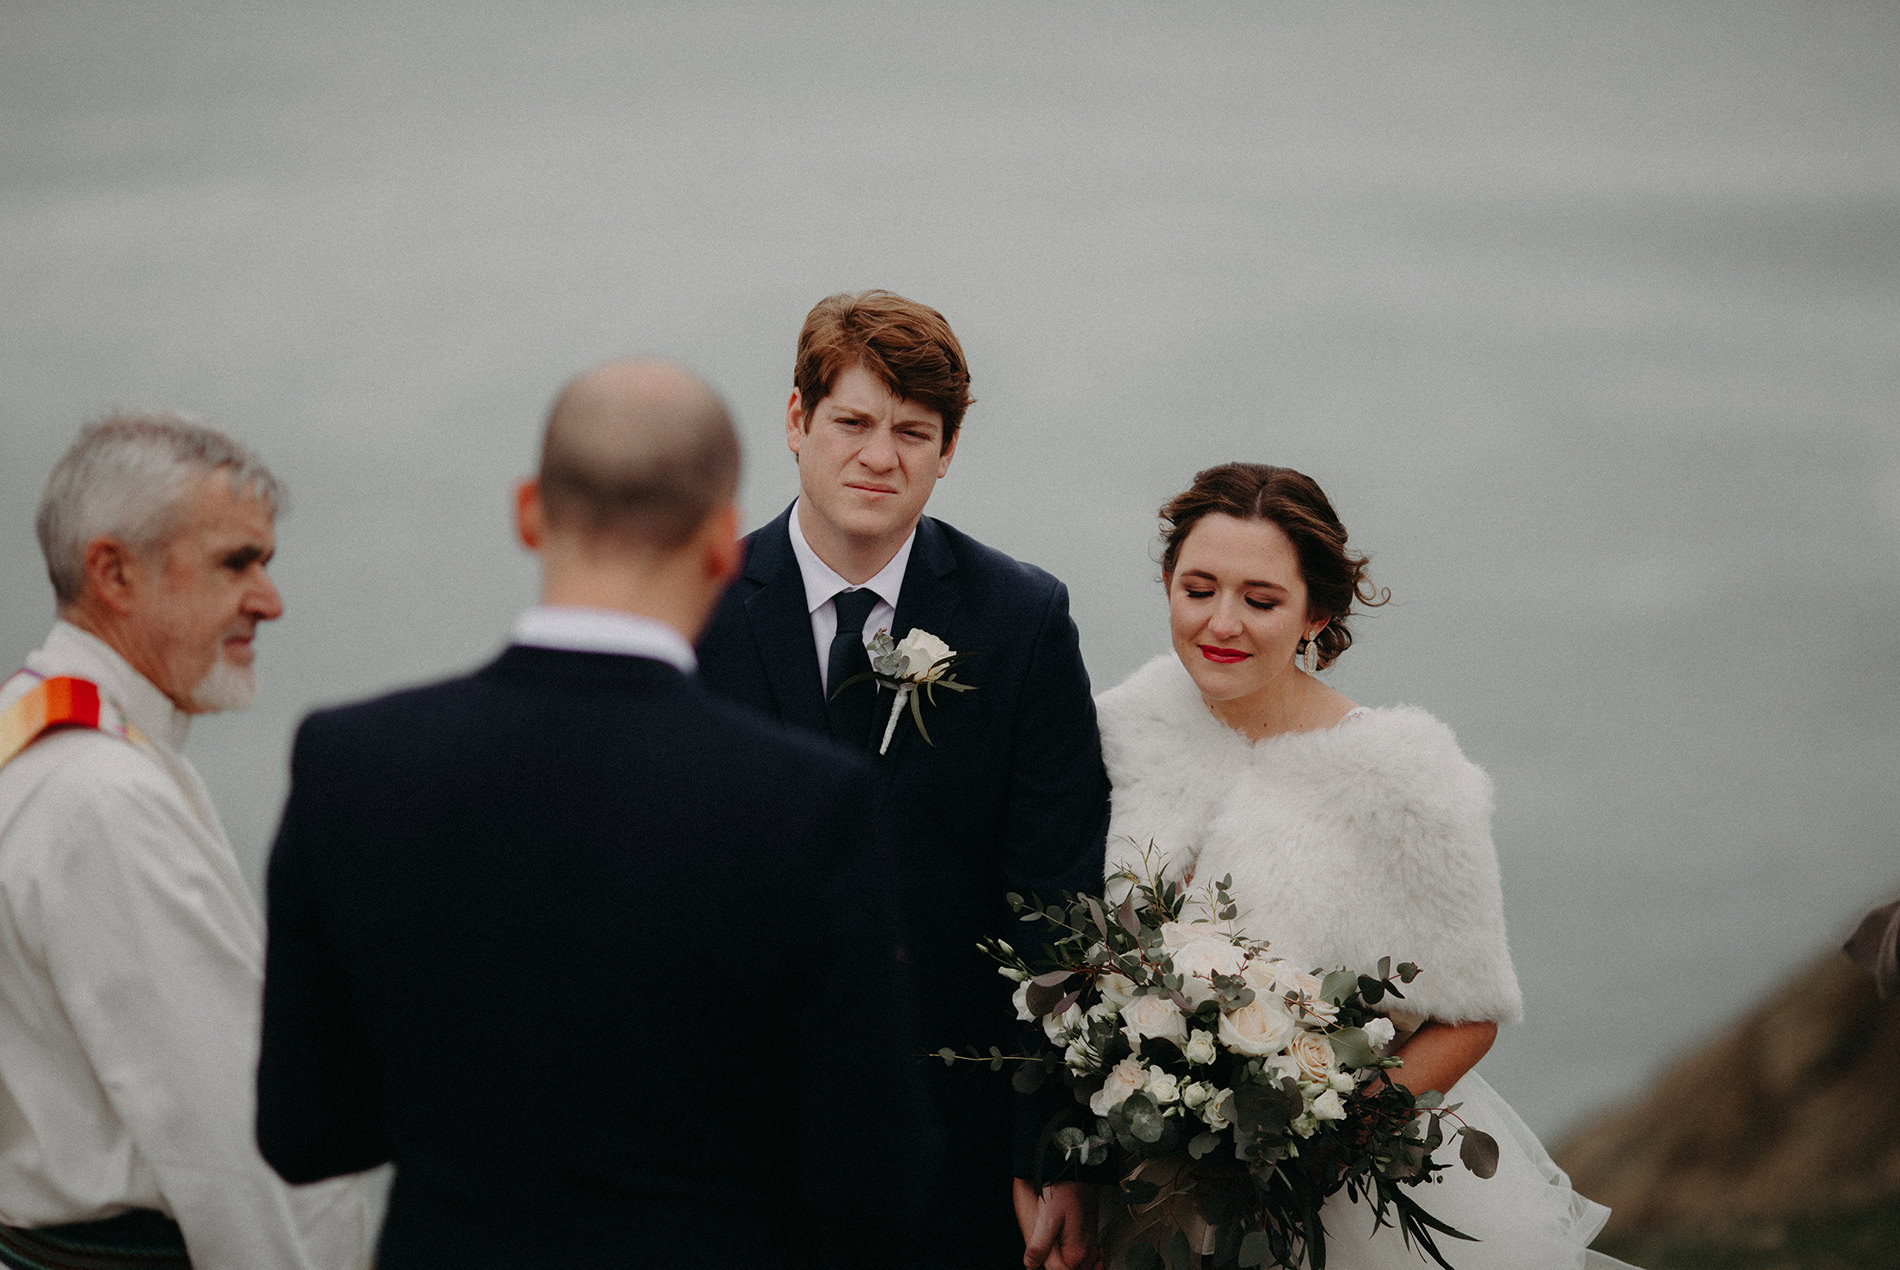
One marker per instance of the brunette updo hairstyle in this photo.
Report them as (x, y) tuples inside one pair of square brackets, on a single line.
[(1334, 576)]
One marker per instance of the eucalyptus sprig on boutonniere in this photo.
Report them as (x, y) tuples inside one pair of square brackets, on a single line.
[(919, 660)]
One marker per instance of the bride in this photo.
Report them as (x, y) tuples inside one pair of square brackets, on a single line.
[(1351, 834)]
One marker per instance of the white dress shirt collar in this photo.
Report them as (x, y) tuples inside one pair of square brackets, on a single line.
[(822, 581), (574, 629)]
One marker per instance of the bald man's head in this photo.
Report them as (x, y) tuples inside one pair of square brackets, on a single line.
[(637, 451)]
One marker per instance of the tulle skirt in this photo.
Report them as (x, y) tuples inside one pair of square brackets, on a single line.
[(1525, 1217)]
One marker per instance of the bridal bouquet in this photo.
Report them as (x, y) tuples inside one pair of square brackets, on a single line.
[(1242, 1089)]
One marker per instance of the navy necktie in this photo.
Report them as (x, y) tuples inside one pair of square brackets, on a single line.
[(850, 711)]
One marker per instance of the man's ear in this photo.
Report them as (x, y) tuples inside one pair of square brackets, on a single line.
[(531, 516), (949, 452), (796, 423), (724, 550), (112, 574)]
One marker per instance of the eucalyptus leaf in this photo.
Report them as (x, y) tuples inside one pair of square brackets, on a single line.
[(1145, 1121), (1478, 1151), (1202, 1144), (917, 714), (1352, 1047), (1255, 1250), (1041, 998), (1028, 1078)]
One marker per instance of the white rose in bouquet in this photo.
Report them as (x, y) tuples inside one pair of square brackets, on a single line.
[(1058, 1027), (1199, 1051), (1380, 1033), (1217, 1112), (1123, 1079), (921, 652), (1020, 999), (1163, 1087), (1195, 1094), (1313, 1055), (1198, 962), (1118, 989), (1280, 1067), (1155, 1016), (1328, 1106), (1259, 1028), (1280, 978)]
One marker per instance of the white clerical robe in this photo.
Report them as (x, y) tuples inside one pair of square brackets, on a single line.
[(131, 972)]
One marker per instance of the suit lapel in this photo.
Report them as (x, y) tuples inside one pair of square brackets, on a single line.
[(781, 626), (928, 602)]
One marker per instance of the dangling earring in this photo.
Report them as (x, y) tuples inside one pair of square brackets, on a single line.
[(1309, 656)]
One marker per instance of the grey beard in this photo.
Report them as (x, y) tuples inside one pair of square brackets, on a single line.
[(224, 687)]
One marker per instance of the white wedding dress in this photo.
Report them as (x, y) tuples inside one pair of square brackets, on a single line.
[(1361, 841)]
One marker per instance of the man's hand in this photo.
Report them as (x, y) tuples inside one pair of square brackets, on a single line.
[(1059, 1225)]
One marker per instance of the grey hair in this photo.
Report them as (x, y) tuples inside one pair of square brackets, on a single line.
[(127, 477)]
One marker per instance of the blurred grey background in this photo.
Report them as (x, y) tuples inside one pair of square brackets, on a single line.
[(1586, 317)]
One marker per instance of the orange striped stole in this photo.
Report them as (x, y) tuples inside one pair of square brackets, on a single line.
[(60, 702)]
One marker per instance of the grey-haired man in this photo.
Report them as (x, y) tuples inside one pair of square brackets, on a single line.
[(131, 949)]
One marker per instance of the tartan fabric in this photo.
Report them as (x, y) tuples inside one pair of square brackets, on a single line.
[(141, 1238)]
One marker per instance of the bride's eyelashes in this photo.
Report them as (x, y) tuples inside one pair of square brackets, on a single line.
[(1265, 606)]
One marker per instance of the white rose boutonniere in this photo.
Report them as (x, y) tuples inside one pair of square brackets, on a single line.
[(920, 659)]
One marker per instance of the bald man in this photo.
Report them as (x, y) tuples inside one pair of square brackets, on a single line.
[(593, 956)]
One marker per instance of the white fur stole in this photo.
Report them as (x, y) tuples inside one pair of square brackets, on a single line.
[(1365, 840)]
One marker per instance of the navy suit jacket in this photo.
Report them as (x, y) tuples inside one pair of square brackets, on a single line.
[(1010, 797), (594, 956)]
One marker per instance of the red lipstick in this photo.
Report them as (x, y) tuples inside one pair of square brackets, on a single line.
[(1225, 656)]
